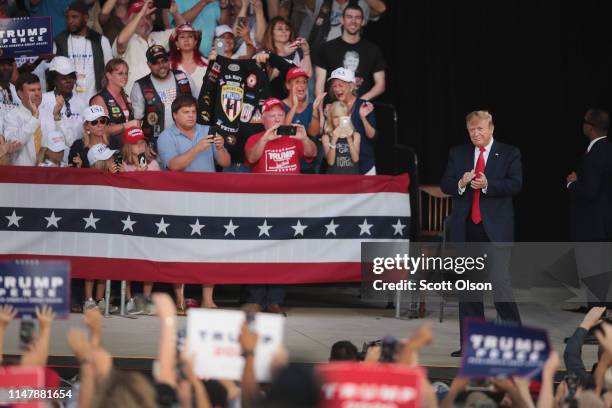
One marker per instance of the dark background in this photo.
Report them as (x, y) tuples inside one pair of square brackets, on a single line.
[(535, 65)]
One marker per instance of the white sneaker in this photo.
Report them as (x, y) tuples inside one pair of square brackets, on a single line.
[(89, 304), (102, 306), (134, 307)]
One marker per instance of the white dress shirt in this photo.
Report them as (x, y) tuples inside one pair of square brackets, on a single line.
[(594, 141), (485, 156), (20, 125)]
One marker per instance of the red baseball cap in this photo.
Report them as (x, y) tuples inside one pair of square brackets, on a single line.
[(135, 7), (132, 135), (271, 103), (295, 72)]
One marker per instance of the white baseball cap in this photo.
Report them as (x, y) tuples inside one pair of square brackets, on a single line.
[(55, 141), (98, 152), (222, 29), (93, 112), (62, 65), (343, 74)]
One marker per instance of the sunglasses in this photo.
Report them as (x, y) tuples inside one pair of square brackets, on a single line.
[(103, 121)]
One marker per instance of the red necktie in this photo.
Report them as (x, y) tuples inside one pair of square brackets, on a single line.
[(480, 167)]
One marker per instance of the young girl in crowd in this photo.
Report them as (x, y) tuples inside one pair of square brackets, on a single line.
[(52, 152), (185, 53), (137, 156), (100, 157), (341, 141)]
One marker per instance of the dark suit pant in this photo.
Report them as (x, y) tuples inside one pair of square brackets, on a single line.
[(498, 273)]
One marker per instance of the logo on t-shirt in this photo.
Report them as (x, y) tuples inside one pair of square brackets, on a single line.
[(231, 97), (281, 160)]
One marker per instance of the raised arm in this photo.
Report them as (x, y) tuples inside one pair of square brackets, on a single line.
[(106, 11), (128, 31), (7, 314)]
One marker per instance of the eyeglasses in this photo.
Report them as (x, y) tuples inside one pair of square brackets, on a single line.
[(102, 120)]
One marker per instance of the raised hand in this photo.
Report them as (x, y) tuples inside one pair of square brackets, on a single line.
[(45, 316), (7, 314)]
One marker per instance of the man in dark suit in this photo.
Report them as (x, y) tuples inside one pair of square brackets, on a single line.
[(482, 177), (590, 191)]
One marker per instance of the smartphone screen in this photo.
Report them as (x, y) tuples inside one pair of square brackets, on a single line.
[(286, 130), (26, 333), (220, 47)]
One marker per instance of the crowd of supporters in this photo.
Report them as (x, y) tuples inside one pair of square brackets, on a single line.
[(274, 86), (174, 383), (195, 85)]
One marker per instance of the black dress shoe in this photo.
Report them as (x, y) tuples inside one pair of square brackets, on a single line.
[(456, 353)]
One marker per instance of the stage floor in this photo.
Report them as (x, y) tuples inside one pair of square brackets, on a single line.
[(310, 333)]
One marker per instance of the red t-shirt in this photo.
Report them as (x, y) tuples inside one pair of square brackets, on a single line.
[(282, 155)]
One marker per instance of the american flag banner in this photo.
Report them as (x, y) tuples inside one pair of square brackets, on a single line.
[(200, 227)]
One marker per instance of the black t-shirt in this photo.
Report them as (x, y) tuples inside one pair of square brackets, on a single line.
[(277, 85), (364, 58), (78, 149)]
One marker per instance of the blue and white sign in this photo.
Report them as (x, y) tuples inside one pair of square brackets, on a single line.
[(26, 284), (502, 350), (27, 36)]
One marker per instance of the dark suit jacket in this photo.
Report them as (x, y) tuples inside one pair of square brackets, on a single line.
[(505, 178), (591, 195)]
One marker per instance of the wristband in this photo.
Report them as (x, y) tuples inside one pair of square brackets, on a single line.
[(331, 146), (247, 353)]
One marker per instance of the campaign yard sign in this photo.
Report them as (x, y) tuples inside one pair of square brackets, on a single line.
[(501, 350), (26, 284), (366, 385), (213, 336), (25, 36)]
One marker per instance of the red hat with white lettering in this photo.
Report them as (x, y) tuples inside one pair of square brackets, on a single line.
[(270, 103), (132, 135), (295, 72)]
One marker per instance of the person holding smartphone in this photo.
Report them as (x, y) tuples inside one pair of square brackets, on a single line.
[(280, 40), (341, 141), (137, 156), (277, 150), (188, 146)]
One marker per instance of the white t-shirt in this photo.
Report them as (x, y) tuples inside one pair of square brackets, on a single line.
[(197, 77), (81, 54), (135, 54)]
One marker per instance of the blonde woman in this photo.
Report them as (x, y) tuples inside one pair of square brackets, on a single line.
[(95, 131), (100, 157), (341, 141)]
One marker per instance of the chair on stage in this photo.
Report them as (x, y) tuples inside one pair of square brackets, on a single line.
[(434, 207)]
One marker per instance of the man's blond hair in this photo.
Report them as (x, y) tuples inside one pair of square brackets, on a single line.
[(480, 115)]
